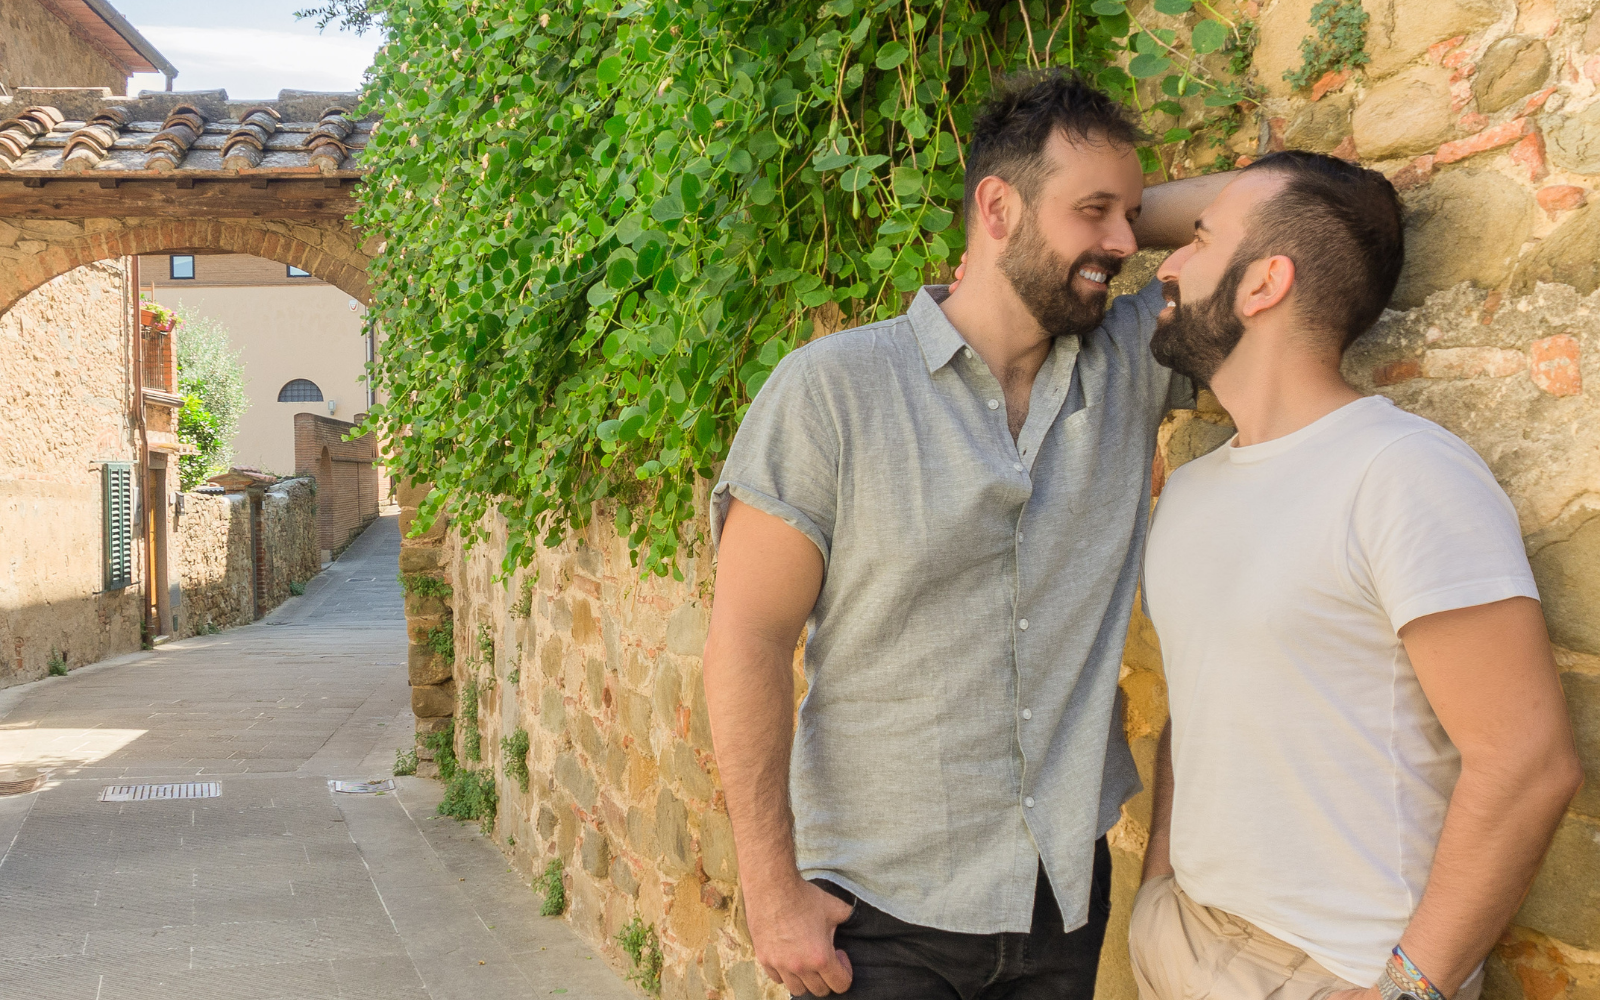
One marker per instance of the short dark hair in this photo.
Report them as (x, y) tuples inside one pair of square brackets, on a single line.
[(1341, 225), (1018, 117)]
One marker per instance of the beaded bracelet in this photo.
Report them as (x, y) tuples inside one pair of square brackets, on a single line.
[(1405, 974)]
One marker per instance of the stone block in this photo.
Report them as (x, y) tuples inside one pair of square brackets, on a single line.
[(687, 627), (576, 779), (672, 834), (668, 691), (744, 980), (1583, 704), (594, 679), (615, 766), (552, 711), (550, 658), (425, 667), (623, 878), (689, 919), (634, 709), (585, 628), (1472, 362), (1574, 140), (1510, 70), (566, 832), (1560, 198), (594, 854), (420, 558), (546, 823), (1282, 27), (1565, 899), (421, 605), (699, 714), (641, 832), (1568, 574), (434, 701), (427, 727), (1320, 126), (1566, 255), (1405, 116), (717, 852), (587, 736), (1468, 225), (679, 764), (1399, 31)]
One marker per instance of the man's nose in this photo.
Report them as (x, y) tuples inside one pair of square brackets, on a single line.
[(1173, 265), (1120, 242)]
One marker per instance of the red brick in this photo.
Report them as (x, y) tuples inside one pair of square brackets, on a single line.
[(1560, 197), (1414, 174), (1537, 100), (1396, 372), (1346, 150), (1244, 161), (1591, 69), (1437, 50), (1329, 82), (1490, 138), (1555, 365), (1530, 153), (1474, 122)]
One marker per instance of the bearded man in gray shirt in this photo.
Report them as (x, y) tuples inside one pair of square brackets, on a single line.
[(954, 501)]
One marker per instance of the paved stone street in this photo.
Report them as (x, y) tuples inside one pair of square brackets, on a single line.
[(279, 887)]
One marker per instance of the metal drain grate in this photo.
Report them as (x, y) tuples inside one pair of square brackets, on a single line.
[(152, 793)]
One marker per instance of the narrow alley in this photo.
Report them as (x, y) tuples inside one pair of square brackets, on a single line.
[(279, 886)]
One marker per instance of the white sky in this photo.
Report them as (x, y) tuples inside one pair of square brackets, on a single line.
[(251, 48)]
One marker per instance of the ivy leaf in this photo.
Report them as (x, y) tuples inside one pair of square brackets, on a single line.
[(609, 70), (666, 209), (1177, 135), (838, 8), (1209, 36), (608, 430), (1167, 107), (1148, 64), (780, 277), (936, 219), (1174, 7), (855, 178), (1108, 8), (826, 161), (892, 55), (880, 258), (1149, 162), (700, 115), (764, 145)]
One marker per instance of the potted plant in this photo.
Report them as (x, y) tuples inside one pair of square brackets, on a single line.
[(157, 317)]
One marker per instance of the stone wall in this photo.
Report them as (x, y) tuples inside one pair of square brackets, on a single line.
[(1486, 114), (210, 552), (65, 410), (38, 49)]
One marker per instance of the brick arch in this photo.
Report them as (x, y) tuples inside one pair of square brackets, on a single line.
[(33, 251)]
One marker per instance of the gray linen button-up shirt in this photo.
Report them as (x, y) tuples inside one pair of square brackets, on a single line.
[(963, 654)]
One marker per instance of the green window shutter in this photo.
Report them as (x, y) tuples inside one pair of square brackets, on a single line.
[(118, 480)]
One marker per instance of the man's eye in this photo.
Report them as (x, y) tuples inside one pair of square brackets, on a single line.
[(1096, 210)]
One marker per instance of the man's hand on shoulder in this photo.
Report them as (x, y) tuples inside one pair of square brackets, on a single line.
[(793, 934)]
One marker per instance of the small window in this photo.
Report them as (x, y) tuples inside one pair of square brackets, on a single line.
[(300, 390), (182, 267), (295, 272), (117, 483)]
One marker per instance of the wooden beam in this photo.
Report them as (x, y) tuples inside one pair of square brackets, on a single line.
[(296, 198)]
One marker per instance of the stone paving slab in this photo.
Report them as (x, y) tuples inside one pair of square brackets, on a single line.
[(280, 888)]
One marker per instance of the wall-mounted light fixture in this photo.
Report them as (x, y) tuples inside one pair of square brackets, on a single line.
[(333, 404)]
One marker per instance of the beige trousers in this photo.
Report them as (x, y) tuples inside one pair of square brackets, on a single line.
[(1184, 951)]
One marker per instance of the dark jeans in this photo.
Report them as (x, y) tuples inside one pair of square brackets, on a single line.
[(894, 960)]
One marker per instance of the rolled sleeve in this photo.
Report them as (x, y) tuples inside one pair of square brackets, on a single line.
[(785, 457)]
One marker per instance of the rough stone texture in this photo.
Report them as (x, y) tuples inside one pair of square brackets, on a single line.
[(1565, 901), (1407, 115), (1401, 30), (1574, 140), (38, 49), (1568, 255), (1321, 125), (1466, 226), (1583, 701), (67, 402), (1283, 25), (1512, 68)]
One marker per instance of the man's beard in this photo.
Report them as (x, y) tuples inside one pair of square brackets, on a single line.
[(1042, 278), (1198, 336)]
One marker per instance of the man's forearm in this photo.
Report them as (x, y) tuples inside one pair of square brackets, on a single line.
[(1157, 853), (750, 698), (1497, 829), (1167, 216)]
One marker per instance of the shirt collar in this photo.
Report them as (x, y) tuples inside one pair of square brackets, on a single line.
[(938, 339)]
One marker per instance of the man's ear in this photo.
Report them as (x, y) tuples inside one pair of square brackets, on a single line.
[(1266, 284), (994, 206)]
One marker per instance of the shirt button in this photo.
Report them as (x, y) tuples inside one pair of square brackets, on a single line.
[(1028, 802), (1023, 624), (967, 352), (994, 404), (1027, 713), (1017, 466)]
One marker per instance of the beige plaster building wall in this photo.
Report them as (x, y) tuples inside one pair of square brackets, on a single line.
[(65, 408), (284, 328), (1486, 114), (38, 49)]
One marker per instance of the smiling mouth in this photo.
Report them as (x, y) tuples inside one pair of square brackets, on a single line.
[(1093, 275)]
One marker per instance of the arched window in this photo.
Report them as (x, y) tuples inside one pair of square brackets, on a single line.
[(300, 390)]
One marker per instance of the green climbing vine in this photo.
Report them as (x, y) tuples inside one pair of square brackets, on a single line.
[(605, 221), (1337, 41), (514, 750)]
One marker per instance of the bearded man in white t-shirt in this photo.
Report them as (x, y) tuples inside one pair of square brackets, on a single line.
[(1369, 750)]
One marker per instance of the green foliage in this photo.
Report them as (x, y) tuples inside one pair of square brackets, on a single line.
[(207, 627), (553, 888), (486, 643), (471, 795), (405, 761), (352, 15), (442, 745), (524, 606), (211, 382), (424, 585), (442, 639), (514, 749), (471, 738), (605, 221), (58, 664), (1338, 41), (296, 588), (639, 940)]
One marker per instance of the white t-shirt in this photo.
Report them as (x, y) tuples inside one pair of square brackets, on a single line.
[(1311, 774)]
